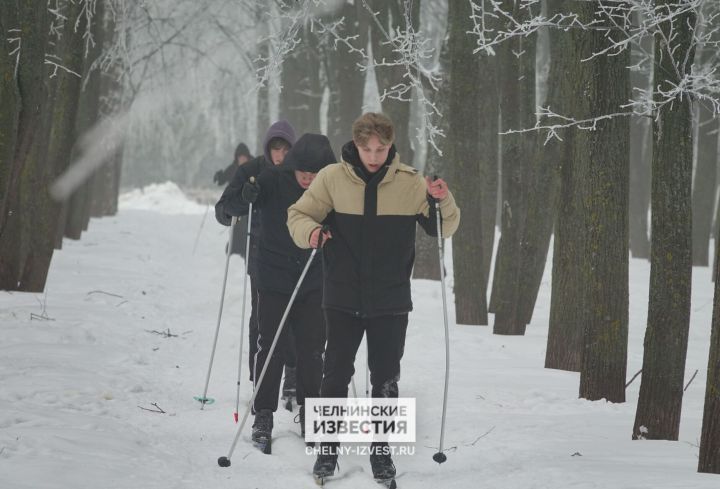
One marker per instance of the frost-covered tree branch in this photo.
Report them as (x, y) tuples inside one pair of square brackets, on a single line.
[(625, 23), (412, 50)]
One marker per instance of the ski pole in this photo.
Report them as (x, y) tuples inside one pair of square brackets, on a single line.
[(440, 457), (202, 223), (204, 399), (242, 315), (367, 368), (225, 460)]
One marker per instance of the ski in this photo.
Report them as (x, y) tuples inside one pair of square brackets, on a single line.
[(389, 483)]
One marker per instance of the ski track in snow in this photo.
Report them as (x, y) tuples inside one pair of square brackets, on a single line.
[(72, 385)]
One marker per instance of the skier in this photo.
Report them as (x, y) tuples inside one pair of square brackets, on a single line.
[(280, 264), (242, 156), (372, 203), (278, 140)]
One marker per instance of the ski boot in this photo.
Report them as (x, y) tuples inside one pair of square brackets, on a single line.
[(262, 431), (383, 469), (300, 418), (324, 467)]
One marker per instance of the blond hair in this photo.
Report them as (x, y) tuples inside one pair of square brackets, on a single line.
[(373, 124)]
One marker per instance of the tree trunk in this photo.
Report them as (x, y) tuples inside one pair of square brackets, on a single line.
[(640, 157), (603, 158), (464, 152), (106, 187), (10, 101), (564, 343), (517, 105), (30, 145), (345, 82), (661, 390), (263, 93), (710, 435), (301, 92), (544, 185), (489, 155), (703, 193), (62, 111), (81, 202), (427, 263)]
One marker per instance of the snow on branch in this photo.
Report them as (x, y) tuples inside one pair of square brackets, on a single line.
[(625, 24), (411, 48)]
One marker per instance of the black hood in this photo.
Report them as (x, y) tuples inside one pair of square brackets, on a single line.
[(351, 155), (311, 153)]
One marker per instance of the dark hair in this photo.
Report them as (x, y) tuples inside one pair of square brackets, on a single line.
[(242, 150), (277, 143)]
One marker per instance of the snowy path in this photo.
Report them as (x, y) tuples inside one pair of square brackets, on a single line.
[(71, 386)]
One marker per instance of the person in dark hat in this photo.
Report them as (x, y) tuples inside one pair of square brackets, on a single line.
[(280, 264), (242, 156)]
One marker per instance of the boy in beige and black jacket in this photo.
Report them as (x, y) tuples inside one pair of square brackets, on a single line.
[(371, 203)]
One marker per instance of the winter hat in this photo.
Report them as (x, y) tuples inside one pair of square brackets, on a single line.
[(242, 150), (280, 129), (311, 153)]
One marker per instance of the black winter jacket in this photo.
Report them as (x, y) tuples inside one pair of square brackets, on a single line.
[(373, 217), (226, 207)]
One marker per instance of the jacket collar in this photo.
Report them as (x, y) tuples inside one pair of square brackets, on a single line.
[(354, 167)]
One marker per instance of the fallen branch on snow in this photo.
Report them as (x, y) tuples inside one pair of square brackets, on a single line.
[(158, 410)]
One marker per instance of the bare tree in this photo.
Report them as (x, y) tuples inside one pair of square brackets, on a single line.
[(517, 107), (464, 150), (709, 459), (706, 147), (602, 158), (30, 20), (661, 388)]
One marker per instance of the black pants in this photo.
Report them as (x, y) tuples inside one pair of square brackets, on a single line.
[(253, 331), (386, 345), (308, 328)]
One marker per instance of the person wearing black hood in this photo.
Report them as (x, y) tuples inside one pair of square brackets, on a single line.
[(372, 203), (280, 264), (242, 156), (278, 140)]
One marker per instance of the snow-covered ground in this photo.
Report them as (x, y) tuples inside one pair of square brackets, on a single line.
[(73, 385)]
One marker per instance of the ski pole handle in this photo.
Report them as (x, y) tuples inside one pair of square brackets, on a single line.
[(321, 236)]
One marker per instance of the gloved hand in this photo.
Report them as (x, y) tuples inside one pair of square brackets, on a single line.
[(221, 216), (219, 177), (250, 191)]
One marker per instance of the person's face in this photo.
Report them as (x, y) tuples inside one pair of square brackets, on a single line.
[(304, 178), (373, 153), (242, 159), (277, 155)]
